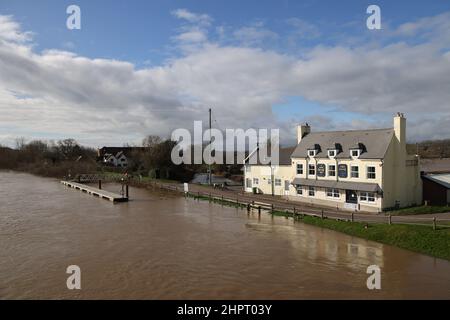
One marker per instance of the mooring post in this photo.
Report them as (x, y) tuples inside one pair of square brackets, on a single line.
[(100, 184), (434, 223)]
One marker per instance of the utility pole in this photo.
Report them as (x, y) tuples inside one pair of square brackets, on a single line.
[(209, 165)]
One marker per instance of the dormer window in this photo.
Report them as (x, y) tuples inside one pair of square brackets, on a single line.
[(354, 153), (312, 153), (332, 153)]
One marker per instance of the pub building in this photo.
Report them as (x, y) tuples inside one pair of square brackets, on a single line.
[(358, 170)]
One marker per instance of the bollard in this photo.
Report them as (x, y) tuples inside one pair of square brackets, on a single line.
[(272, 210), (222, 200), (209, 197), (126, 191), (434, 223), (321, 213), (353, 217), (198, 196), (389, 219), (259, 212), (100, 184), (248, 207)]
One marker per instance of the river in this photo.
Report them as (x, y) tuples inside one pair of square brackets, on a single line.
[(163, 246)]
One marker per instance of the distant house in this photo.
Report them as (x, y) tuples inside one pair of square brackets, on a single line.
[(116, 156)]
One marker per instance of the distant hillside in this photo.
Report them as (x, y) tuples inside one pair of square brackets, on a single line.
[(431, 149)]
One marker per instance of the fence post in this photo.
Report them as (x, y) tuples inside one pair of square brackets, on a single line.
[(434, 223)]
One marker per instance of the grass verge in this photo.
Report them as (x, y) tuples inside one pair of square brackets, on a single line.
[(422, 239), (420, 210)]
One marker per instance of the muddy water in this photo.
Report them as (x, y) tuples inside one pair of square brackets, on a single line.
[(161, 246)]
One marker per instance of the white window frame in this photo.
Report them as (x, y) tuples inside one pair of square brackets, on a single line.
[(255, 181), (332, 155), (299, 190), (278, 182), (311, 191), (333, 193), (299, 167), (312, 153), (369, 174), (352, 172), (311, 167), (358, 153), (332, 165), (368, 197)]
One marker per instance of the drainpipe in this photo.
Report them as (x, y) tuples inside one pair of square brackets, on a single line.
[(272, 180)]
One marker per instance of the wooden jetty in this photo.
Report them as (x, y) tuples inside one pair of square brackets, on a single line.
[(114, 197)]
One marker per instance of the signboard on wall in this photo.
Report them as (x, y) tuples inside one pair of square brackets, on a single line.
[(342, 171), (321, 170)]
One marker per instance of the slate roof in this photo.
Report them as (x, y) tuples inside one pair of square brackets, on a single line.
[(284, 157), (373, 142), (442, 179)]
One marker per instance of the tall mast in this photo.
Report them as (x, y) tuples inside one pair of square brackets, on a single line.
[(209, 165)]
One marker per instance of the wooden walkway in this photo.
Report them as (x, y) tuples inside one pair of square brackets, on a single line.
[(114, 197)]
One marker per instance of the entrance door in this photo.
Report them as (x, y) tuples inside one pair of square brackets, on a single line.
[(351, 196)]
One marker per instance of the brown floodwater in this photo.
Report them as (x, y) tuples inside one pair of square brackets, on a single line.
[(162, 246)]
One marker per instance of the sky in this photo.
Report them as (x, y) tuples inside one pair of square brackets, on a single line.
[(149, 67)]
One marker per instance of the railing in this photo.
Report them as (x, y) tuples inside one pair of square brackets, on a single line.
[(296, 210)]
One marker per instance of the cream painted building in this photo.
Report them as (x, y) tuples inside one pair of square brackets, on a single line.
[(360, 170)]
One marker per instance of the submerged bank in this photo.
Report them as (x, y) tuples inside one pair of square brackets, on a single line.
[(417, 238)]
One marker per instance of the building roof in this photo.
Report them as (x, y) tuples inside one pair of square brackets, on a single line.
[(359, 186), (374, 143), (127, 151), (442, 179), (435, 165), (284, 157)]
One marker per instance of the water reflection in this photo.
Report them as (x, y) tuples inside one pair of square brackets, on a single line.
[(165, 246)]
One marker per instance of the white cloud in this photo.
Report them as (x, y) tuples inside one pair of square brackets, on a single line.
[(10, 30), (202, 19), (254, 34), (101, 101)]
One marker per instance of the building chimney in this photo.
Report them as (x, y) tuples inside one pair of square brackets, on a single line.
[(400, 128), (302, 131)]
